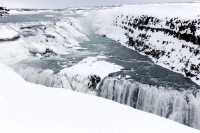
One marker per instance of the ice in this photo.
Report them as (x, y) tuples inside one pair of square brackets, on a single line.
[(177, 105), (35, 38)]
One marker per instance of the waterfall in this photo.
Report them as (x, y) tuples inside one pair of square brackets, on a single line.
[(180, 106)]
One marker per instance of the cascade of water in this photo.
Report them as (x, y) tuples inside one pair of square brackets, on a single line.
[(181, 106)]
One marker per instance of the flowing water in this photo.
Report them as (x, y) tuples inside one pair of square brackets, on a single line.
[(140, 84)]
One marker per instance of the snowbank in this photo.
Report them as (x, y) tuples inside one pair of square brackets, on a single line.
[(7, 33), (26, 107)]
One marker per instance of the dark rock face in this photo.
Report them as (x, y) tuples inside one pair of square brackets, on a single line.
[(94, 80), (3, 11)]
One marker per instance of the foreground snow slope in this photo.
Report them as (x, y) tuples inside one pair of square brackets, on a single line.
[(167, 33), (26, 107)]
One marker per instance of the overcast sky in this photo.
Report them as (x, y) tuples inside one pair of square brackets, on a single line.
[(74, 3)]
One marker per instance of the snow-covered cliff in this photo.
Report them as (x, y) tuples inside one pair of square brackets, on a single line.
[(167, 33)]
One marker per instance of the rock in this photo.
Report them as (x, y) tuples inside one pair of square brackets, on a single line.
[(94, 80), (3, 11), (47, 53)]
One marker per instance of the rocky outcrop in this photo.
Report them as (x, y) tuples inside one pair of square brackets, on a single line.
[(47, 53), (3, 11)]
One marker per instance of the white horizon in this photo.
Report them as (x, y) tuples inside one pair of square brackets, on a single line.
[(51, 4)]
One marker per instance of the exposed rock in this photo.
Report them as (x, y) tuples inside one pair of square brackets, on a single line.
[(3, 11), (94, 80), (47, 53)]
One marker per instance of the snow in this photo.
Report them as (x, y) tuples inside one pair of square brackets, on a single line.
[(13, 52), (93, 66), (7, 32), (20, 12), (183, 10), (26, 107), (25, 12)]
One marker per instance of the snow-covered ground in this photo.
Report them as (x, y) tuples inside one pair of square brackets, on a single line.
[(7, 33), (167, 33), (26, 107)]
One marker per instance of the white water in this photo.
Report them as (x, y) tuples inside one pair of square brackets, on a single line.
[(181, 106)]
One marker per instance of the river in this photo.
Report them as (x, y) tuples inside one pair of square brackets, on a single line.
[(140, 84)]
